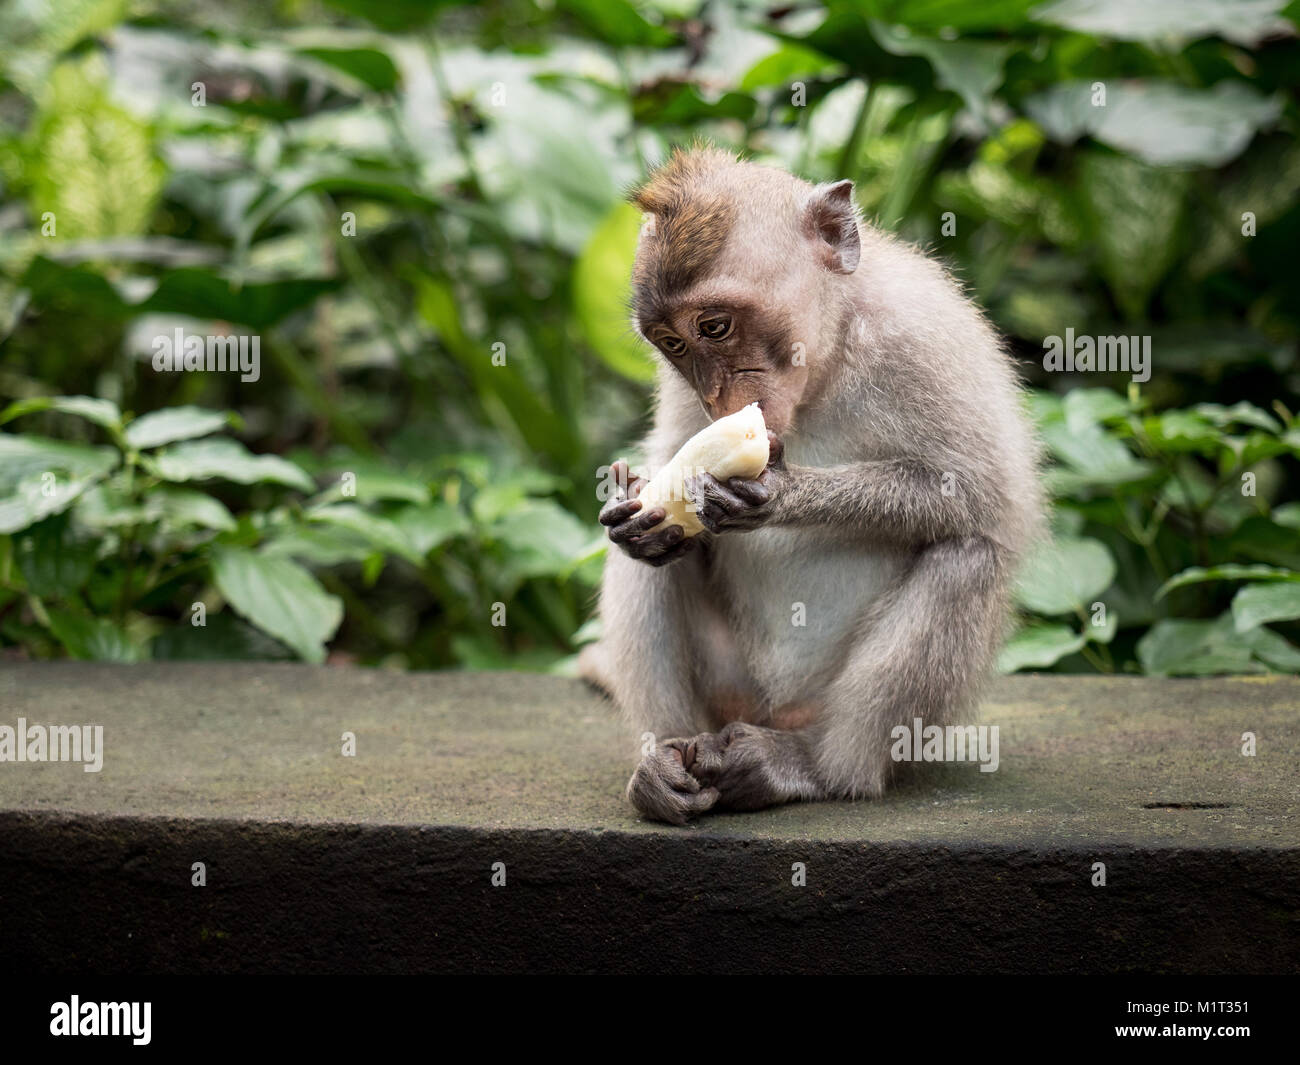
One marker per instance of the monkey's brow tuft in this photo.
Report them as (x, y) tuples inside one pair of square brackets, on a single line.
[(693, 218)]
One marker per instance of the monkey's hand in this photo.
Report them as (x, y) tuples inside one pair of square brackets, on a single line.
[(753, 767), (738, 505), (628, 528), (662, 790)]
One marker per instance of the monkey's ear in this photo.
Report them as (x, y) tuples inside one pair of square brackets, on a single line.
[(832, 221)]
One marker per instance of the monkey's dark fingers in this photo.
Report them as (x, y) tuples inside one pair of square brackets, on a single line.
[(755, 493), (683, 547), (653, 545), (719, 508), (617, 511), (638, 523)]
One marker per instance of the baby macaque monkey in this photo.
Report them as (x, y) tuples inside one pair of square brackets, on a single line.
[(861, 580)]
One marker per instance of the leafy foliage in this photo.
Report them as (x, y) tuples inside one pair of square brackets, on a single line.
[(417, 209)]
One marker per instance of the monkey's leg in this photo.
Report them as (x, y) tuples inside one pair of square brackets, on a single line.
[(655, 665), (921, 652)]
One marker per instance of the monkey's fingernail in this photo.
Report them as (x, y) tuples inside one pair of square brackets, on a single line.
[(688, 759), (657, 515)]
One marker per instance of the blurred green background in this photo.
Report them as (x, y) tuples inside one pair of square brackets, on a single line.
[(417, 209)]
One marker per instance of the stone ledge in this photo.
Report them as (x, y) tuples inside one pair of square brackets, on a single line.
[(381, 862)]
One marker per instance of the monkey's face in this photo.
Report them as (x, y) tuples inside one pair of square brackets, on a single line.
[(732, 353)]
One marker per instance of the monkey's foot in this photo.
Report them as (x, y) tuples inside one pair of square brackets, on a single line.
[(662, 790), (752, 767)]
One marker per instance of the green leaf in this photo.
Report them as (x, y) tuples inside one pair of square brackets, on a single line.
[(1159, 21), (541, 538), (1066, 577), (1160, 123), (1037, 646), (379, 532), (1136, 216), (1273, 650), (174, 423), (1230, 572), (182, 507), (370, 483), (202, 293), (1242, 413), (970, 68), (40, 477), (1183, 647), (279, 597), (602, 283), (1287, 515), (223, 638), (617, 23), (1181, 430), (368, 65), (52, 562), (227, 460), (1258, 604), (432, 526), (100, 411), (92, 163), (788, 64), (96, 639)]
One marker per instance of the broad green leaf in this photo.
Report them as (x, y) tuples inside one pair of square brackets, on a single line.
[(203, 293), (174, 423), (227, 460), (431, 526), (366, 483), (1159, 21), (53, 563), (1273, 649), (788, 64), (279, 597), (222, 638), (1038, 646), (1180, 430), (1065, 577), (1160, 123), (602, 281), (970, 68), (368, 65), (92, 163), (96, 639), (40, 477), (378, 531), (1287, 515), (1136, 217), (181, 507), (1084, 407), (1258, 604), (1231, 572), (616, 23), (319, 545), (1185, 647), (100, 411), (1242, 413), (541, 538)]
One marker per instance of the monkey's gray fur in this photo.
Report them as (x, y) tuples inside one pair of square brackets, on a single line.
[(907, 492)]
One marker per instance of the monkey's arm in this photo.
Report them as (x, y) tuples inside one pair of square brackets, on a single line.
[(903, 499)]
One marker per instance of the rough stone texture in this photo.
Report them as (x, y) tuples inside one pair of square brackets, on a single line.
[(382, 862)]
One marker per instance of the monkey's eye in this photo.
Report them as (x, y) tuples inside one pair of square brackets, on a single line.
[(716, 328), (672, 345)]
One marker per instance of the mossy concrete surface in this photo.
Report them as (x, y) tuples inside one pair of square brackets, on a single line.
[(383, 861)]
